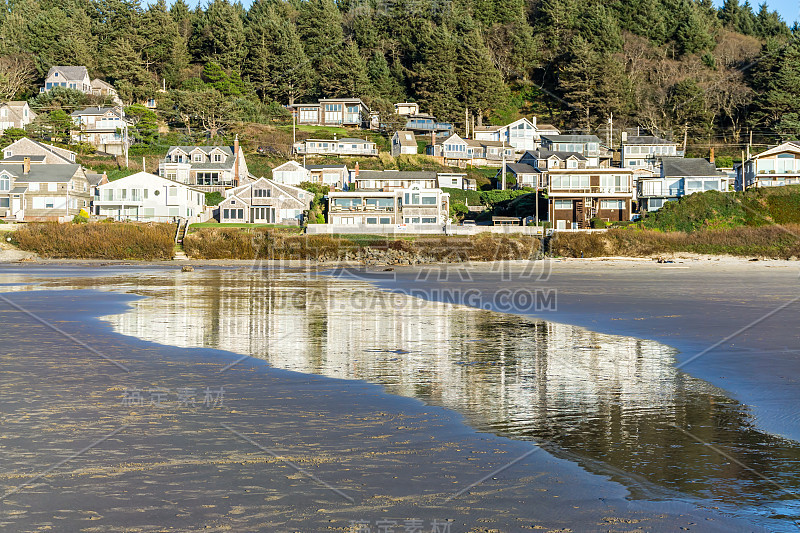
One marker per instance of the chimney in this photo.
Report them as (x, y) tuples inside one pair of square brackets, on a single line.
[(26, 165), (711, 155), (236, 159), (334, 136)]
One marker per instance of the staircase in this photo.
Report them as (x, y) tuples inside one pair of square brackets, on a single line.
[(579, 214), (180, 234)]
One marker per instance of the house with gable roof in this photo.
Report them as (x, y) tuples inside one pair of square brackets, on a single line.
[(265, 201), (105, 128), (346, 146), (42, 192), (679, 177), (522, 134), (15, 114), (149, 198), (404, 142), (780, 165), (458, 152), (69, 77), (38, 152), (210, 168)]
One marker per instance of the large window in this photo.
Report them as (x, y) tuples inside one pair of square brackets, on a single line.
[(429, 199), (570, 181), (612, 204), (333, 113), (5, 183), (308, 114), (380, 203), (614, 183), (347, 203), (562, 204), (208, 178), (262, 193)]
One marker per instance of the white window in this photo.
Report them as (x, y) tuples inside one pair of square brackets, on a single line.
[(562, 204), (612, 204), (198, 157), (33, 187), (52, 186), (217, 158)]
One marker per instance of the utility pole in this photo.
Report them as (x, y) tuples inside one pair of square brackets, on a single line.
[(466, 123), (294, 131), (503, 172), (611, 131)]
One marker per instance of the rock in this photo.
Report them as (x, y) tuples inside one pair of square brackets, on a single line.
[(187, 268)]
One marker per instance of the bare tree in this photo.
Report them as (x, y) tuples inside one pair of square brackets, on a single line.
[(17, 71)]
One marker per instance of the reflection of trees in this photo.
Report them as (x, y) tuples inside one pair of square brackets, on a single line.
[(605, 398)]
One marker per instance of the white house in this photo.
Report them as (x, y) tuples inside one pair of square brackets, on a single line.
[(522, 134), (403, 142), (777, 166), (291, 173), (16, 114), (149, 198), (105, 128)]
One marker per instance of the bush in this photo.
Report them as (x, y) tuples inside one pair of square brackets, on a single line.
[(119, 240)]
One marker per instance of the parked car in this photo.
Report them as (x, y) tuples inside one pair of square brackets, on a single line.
[(468, 223)]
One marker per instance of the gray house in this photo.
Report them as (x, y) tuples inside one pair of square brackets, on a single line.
[(264, 202), (70, 77), (39, 153), (42, 192)]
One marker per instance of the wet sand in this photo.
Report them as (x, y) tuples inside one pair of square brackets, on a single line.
[(280, 452), (735, 322)]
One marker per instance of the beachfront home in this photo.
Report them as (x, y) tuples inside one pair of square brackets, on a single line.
[(576, 196), (15, 114), (209, 168), (414, 205), (404, 142), (105, 128), (38, 152), (679, 177), (149, 198), (777, 166), (42, 192), (347, 146), (265, 201), (457, 152), (348, 112), (646, 151)]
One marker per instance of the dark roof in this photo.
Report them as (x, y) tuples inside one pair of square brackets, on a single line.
[(95, 111), (572, 138), (71, 72), (353, 140), (94, 178), (647, 139), (397, 175), (543, 153), (20, 158), (521, 168), (41, 173), (680, 167)]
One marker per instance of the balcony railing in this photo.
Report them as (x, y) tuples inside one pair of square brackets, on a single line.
[(302, 149)]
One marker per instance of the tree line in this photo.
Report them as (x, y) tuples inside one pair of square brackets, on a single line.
[(676, 67)]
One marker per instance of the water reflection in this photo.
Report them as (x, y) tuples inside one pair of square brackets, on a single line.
[(612, 403)]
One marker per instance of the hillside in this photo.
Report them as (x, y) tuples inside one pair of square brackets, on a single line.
[(680, 68)]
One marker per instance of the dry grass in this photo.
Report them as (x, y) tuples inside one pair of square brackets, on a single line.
[(123, 240), (268, 243), (765, 241)]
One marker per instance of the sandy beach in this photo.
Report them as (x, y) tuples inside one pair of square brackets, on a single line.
[(288, 451)]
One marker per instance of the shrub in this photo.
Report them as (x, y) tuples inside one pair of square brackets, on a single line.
[(121, 240)]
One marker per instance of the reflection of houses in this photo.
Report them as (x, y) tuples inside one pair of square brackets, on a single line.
[(404, 143), (347, 146), (104, 128), (149, 198), (457, 152), (210, 168), (38, 153), (679, 177), (42, 192), (15, 115), (413, 205), (350, 112), (264, 202), (771, 168), (646, 151)]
